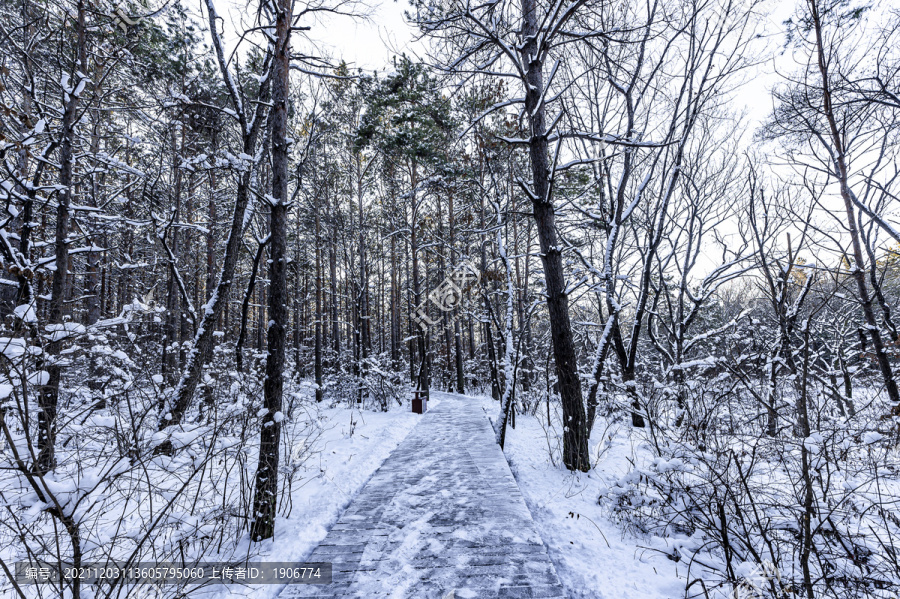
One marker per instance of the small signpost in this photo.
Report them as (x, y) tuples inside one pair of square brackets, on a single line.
[(420, 401)]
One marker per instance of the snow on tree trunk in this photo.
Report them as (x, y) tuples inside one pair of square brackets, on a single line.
[(262, 522)]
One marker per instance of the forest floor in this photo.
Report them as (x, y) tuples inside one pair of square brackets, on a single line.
[(340, 449), (591, 554), (594, 556)]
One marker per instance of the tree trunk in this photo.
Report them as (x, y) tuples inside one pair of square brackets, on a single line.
[(395, 306), (299, 304), (363, 323), (92, 286), (333, 283), (575, 433), (488, 335), (457, 340), (48, 399), (421, 377), (803, 430), (264, 503), (318, 316), (172, 340), (245, 305)]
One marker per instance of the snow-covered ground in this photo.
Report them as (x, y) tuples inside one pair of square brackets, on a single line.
[(351, 447), (593, 556)]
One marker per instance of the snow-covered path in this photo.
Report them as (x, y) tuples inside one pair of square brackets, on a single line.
[(442, 517)]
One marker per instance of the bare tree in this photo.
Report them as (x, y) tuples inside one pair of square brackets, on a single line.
[(810, 111), (250, 117)]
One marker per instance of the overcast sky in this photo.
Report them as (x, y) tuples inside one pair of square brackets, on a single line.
[(369, 44)]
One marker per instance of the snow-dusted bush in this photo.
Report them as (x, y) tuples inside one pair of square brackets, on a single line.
[(111, 496), (738, 507)]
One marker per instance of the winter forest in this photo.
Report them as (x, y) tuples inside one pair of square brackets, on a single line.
[(568, 298)]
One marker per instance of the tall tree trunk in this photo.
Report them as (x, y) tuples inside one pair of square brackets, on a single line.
[(520, 291), (363, 303), (93, 284), (575, 433), (422, 376), (48, 399), (412, 333), (334, 209), (803, 430), (185, 257), (379, 305), (488, 336), (92, 290), (175, 329), (318, 316), (299, 304), (264, 503), (395, 306), (211, 234), (260, 318), (445, 317), (508, 401), (457, 341), (208, 396), (170, 338)]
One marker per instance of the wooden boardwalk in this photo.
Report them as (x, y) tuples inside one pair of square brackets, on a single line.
[(442, 517)]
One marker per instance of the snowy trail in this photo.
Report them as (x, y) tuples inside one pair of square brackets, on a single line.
[(443, 514)]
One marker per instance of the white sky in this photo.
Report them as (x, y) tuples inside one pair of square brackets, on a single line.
[(371, 43)]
